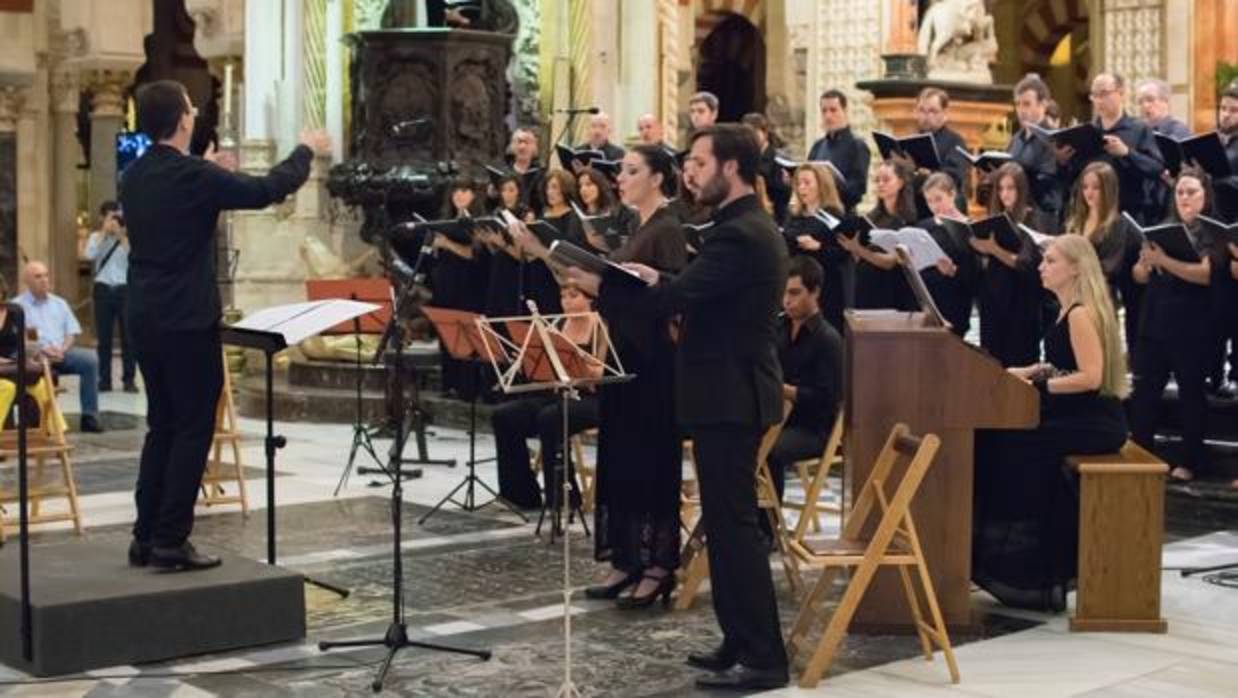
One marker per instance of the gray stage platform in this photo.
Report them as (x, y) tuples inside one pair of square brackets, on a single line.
[(91, 610)]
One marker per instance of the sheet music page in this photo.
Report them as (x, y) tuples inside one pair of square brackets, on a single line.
[(921, 246), (300, 321)]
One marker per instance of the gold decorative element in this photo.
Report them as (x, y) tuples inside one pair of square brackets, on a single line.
[(668, 57), (108, 92), (314, 56)]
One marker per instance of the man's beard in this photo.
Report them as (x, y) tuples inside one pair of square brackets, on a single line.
[(713, 192)]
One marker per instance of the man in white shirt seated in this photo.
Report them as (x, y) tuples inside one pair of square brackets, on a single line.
[(57, 328)]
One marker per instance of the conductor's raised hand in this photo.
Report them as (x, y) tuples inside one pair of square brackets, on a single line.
[(221, 158), (588, 282), (317, 140)]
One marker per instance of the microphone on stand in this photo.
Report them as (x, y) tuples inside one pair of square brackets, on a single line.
[(411, 128), (579, 110)]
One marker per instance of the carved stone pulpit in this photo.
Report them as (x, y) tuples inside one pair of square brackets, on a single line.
[(428, 106)]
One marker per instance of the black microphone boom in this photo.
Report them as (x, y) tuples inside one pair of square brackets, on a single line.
[(579, 110)]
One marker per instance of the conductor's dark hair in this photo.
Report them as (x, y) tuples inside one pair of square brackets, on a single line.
[(733, 142), (107, 207), (809, 270), (660, 162), (160, 106), (834, 93)]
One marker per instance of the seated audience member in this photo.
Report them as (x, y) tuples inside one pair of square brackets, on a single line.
[(1174, 331), (539, 415), (811, 353), (40, 391), (1026, 512), (52, 318)]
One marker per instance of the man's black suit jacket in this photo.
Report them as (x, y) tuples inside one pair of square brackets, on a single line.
[(728, 297)]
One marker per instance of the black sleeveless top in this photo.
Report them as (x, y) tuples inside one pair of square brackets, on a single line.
[(1089, 410)]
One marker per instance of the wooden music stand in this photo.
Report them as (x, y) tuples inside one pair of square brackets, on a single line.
[(463, 341), (540, 352)]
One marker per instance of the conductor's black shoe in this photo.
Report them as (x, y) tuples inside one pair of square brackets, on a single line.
[(743, 678), (720, 659), (90, 424), (139, 553), (182, 558)]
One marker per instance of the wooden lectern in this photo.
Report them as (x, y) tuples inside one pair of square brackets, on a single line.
[(903, 367)]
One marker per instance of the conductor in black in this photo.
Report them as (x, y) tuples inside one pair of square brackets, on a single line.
[(172, 202), (728, 391)]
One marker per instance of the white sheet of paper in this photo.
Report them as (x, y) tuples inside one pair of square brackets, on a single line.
[(299, 321), (1042, 241), (923, 248)]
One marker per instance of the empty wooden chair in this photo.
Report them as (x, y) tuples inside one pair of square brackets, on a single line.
[(226, 442), (813, 474), (893, 541), (44, 441)]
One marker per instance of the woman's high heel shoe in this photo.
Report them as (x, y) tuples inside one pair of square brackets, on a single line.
[(666, 584), (611, 591)]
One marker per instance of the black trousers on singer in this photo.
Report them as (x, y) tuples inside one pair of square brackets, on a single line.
[(183, 372), (739, 574)]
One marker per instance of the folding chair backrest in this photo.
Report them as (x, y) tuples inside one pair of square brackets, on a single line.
[(875, 493)]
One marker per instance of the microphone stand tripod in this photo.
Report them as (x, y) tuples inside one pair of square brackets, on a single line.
[(362, 439), (396, 638)]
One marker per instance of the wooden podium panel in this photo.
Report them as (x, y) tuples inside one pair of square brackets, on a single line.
[(896, 369)]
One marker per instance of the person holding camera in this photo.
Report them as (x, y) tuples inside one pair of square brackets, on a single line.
[(108, 252)]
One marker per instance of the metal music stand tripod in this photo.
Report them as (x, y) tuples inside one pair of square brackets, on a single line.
[(552, 362), (396, 637), (463, 341)]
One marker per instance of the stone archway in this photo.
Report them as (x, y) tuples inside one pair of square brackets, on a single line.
[(1045, 24), (731, 63)]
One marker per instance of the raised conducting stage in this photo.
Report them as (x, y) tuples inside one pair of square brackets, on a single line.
[(91, 610)]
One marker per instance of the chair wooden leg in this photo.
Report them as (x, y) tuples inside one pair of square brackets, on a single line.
[(926, 647), (840, 620), (695, 574), (36, 501), (808, 614), (939, 624), (240, 479), (790, 565), (71, 487)]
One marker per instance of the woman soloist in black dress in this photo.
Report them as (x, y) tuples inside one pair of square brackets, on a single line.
[(1026, 509), (640, 456)]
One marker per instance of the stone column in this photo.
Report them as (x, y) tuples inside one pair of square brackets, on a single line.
[(66, 156), (107, 118), (1131, 40), (639, 72), (10, 107)]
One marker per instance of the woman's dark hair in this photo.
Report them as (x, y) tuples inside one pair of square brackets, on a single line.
[(660, 162), (905, 206), (160, 106), (567, 186), (449, 211), (1204, 180), (760, 122), (1023, 198), (606, 192)]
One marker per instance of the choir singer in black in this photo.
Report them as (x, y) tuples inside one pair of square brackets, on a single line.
[(172, 202), (728, 391)]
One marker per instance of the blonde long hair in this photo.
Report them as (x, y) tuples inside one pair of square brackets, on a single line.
[(827, 192), (1092, 291), (1108, 180)]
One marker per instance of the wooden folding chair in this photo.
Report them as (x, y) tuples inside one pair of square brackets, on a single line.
[(813, 474), (43, 441), (694, 558), (219, 471), (894, 542)]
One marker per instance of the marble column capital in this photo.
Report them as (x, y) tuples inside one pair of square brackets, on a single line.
[(65, 89), (108, 90), (12, 99)]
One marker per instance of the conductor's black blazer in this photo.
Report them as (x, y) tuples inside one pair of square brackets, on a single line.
[(728, 297)]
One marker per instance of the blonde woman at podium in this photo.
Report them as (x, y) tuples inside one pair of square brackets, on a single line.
[(1026, 516)]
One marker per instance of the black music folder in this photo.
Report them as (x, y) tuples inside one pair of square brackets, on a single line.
[(791, 165), (987, 160), (1206, 150), (1086, 138), (569, 255), (584, 156), (919, 147), (1170, 237)]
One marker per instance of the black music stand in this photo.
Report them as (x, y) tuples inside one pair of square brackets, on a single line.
[(463, 341), (271, 331), (26, 625)]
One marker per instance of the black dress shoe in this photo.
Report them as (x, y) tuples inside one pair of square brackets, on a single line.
[(743, 678), (720, 659), (139, 553), (182, 558), (90, 424)]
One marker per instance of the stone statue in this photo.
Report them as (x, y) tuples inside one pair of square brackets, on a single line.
[(958, 41)]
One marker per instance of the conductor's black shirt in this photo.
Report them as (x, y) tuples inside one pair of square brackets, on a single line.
[(172, 203)]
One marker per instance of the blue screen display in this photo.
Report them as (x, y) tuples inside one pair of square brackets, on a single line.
[(129, 147)]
